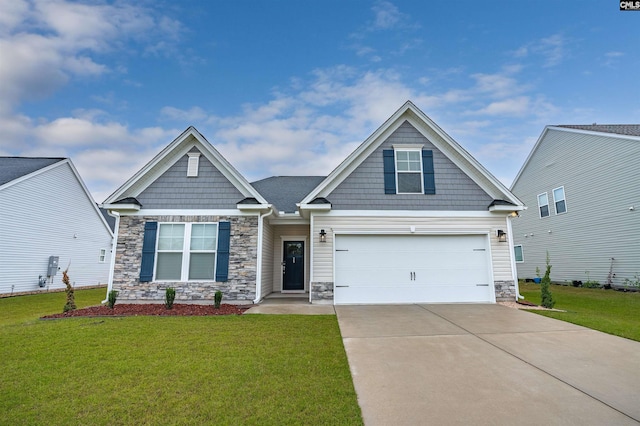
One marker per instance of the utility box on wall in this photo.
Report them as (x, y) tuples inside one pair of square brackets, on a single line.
[(52, 269)]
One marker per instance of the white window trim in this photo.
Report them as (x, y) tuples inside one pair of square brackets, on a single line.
[(564, 194), (102, 256), (521, 251), (405, 148), (540, 205), (186, 251)]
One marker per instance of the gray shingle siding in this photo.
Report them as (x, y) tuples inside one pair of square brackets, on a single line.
[(364, 188), (174, 190)]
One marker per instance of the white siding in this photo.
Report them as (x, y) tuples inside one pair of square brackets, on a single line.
[(49, 214), (601, 181), (323, 252), (267, 259), (288, 231)]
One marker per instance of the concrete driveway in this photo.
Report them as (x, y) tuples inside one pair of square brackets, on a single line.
[(486, 365)]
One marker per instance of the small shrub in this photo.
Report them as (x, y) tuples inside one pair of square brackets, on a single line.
[(71, 298), (545, 292), (111, 298), (632, 283), (169, 297), (217, 298), (591, 284)]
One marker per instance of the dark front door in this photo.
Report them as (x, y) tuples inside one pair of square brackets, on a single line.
[(293, 269)]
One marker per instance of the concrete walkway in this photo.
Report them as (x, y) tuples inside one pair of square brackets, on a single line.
[(486, 365)]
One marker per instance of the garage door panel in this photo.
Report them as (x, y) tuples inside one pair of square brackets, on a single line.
[(412, 269)]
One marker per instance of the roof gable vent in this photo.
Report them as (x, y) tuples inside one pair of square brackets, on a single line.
[(193, 165)]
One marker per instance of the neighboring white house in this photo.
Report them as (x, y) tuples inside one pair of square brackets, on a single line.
[(581, 184), (48, 214)]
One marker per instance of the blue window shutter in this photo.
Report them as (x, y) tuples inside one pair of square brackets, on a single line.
[(389, 171), (428, 172), (222, 256), (148, 251)]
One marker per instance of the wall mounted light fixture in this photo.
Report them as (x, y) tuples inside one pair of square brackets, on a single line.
[(502, 236), (323, 236)]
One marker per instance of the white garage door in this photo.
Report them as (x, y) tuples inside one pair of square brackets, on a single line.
[(412, 269)]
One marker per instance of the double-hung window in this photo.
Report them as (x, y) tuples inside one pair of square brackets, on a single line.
[(543, 204), (518, 253), (186, 251), (559, 201), (409, 171)]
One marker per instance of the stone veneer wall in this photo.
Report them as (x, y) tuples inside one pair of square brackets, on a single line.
[(505, 291), (240, 288), (322, 292)]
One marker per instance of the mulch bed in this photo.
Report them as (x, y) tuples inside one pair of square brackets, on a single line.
[(152, 309)]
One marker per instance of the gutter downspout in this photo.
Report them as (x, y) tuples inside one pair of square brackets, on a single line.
[(514, 270), (114, 245), (259, 257)]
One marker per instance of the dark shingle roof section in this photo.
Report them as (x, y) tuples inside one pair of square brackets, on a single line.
[(619, 129), (285, 191), (12, 168)]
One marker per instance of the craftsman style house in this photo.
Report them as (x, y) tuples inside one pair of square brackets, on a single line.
[(409, 216)]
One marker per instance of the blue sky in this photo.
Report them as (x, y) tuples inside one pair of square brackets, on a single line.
[(292, 87)]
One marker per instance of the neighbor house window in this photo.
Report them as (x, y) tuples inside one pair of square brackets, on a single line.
[(543, 204), (409, 171), (517, 251), (558, 199), (186, 251), (103, 255)]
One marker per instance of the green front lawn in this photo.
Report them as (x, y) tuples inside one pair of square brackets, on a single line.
[(24, 308), (254, 369), (609, 311)]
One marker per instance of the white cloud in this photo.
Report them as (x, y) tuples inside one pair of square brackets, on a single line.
[(44, 43), (552, 49), (387, 15)]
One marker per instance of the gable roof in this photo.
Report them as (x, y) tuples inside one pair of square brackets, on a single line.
[(12, 168), (620, 131), (442, 141), (178, 148), (286, 191), (16, 169)]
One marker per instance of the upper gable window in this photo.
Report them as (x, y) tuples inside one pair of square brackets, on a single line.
[(558, 199), (409, 171), (543, 204)]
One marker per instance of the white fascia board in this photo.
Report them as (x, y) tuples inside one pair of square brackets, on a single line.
[(121, 207), (253, 207), (34, 173), (358, 155), (526, 162), (406, 213), (315, 207), (462, 158), (172, 153), (78, 178), (419, 120), (189, 212), (507, 209)]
